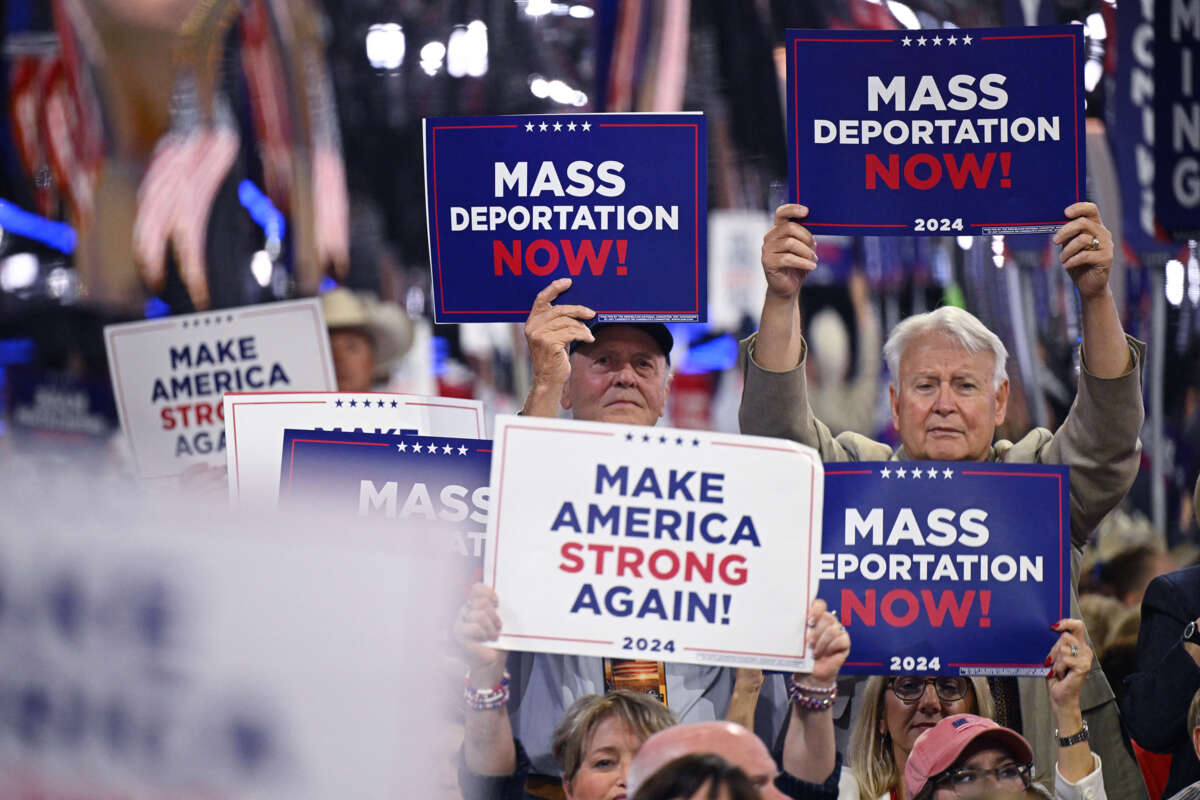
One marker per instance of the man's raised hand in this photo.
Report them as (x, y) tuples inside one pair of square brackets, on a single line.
[(549, 331), (789, 252)]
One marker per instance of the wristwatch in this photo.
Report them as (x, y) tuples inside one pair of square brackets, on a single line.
[(1067, 741), (1191, 633)]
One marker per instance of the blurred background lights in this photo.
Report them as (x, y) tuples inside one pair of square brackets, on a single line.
[(261, 267), (467, 50), (431, 57), (385, 45), (537, 8), (539, 87), (18, 271), (1193, 276), (581, 12), (1174, 287)]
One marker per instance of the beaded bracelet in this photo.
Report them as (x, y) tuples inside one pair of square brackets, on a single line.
[(811, 698), (486, 699)]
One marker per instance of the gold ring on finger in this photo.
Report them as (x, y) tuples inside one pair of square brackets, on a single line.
[(1074, 650)]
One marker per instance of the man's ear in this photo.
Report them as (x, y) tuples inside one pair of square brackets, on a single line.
[(565, 400), (894, 400), (1001, 402), (1196, 739)]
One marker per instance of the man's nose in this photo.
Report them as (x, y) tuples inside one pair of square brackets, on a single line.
[(625, 375), (944, 402)]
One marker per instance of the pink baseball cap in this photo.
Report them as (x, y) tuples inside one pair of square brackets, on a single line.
[(938, 748)]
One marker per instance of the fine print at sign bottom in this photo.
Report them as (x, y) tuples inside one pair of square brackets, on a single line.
[(653, 542)]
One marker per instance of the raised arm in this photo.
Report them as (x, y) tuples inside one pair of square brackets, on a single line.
[(809, 748), (1070, 661), (1099, 438), (1087, 255), (789, 253), (549, 331), (488, 738)]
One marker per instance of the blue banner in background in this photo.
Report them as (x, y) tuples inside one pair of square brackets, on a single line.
[(1130, 129), (952, 568), (429, 483), (617, 202), (1177, 117), (965, 131)]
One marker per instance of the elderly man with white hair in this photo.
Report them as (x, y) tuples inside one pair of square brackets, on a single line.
[(949, 391)]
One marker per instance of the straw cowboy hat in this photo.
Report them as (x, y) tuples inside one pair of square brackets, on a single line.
[(389, 328)]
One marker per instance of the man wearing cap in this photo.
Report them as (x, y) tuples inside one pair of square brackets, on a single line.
[(619, 373)]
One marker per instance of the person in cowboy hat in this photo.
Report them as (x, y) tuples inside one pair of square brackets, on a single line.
[(367, 338)]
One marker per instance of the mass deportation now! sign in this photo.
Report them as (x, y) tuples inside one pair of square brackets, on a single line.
[(677, 544), (947, 568), (965, 131), (615, 202)]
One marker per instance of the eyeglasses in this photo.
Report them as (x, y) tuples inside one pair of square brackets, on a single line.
[(909, 688), (971, 782)]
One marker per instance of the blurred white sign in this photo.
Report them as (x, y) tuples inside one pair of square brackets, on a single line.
[(186, 654), (735, 275), (169, 375), (256, 423)]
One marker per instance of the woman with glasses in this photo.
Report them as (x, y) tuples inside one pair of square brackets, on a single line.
[(894, 712), (968, 756)]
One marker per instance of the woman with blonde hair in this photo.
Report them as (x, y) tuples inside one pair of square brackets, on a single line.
[(895, 711)]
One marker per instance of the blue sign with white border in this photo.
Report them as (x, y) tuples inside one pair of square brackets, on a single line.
[(435, 483), (617, 202), (967, 131), (952, 568)]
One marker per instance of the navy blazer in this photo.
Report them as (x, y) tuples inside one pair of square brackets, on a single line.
[(1159, 693)]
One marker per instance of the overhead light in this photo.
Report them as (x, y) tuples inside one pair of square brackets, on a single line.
[(18, 271), (261, 267), (581, 12), (965, 242), (538, 8), (1193, 276), (539, 87), (1174, 287), (1094, 27), (467, 50), (431, 57), (385, 45)]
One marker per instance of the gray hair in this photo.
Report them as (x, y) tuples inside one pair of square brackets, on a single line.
[(963, 326)]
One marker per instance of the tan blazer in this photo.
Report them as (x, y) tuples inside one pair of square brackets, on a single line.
[(1098, 441)]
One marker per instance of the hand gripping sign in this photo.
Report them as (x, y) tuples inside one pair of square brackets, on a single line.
[(169, 375), (677, 545), (947, 568), (615, 202), (966, 131)]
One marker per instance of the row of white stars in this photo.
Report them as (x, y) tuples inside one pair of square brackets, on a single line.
[(901, 472), (558, 126), (937, 40), (432, 449)]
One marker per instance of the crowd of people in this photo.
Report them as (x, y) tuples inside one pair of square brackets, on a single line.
[(1114, 716)]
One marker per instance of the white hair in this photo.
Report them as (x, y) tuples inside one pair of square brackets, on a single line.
[(963, 326)]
